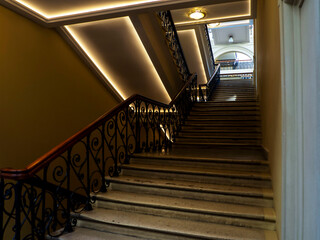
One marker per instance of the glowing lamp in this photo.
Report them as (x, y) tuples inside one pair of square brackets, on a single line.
[(197, 14)]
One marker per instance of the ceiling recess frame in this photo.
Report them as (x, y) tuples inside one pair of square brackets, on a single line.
[(114, 12)]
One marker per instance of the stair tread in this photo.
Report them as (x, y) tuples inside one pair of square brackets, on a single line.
[(81, 233), (202, 171), (174, 226), (196, 186), (189, 205), (218, 136), (174, 156)]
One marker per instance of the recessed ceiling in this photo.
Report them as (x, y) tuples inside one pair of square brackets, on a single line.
[(62, 12), (114, 46)]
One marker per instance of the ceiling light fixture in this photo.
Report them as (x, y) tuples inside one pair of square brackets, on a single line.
[(197, 14), (231, 39)]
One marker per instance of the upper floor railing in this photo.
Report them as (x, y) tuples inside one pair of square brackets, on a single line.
[(39, 201)]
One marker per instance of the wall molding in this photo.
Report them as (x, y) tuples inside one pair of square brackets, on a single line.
[(300, 114)]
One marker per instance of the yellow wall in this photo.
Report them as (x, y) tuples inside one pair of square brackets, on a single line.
[(46, 92), (269, 77)]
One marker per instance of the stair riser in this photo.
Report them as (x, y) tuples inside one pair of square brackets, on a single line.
[(226, 104), (198, 178), (224, 113), (143, 234), (195, 195), (217, 140), (217, 166), (184, 214), (223, 123), (233, 135), (227, 118), (218, 110), (194, 129)]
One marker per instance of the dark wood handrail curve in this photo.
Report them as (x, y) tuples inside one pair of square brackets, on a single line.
[(214, 74), (210, 85), (41, 162), (187, 84)]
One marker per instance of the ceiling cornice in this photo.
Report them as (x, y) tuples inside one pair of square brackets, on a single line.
[(109, 13)]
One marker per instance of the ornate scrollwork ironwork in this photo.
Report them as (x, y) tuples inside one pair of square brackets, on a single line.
[(209, 47), (47, 200), (174, 44)]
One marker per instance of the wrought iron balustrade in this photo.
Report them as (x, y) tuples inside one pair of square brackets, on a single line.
[(206, 90), (39, 201), (209, 47), (174, 44)]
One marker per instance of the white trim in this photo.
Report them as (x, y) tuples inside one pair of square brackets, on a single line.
[(301, 136), (291, 119), (233, 48)]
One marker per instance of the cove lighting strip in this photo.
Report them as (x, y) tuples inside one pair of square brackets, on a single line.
[(99, 65), (196, 48), (36, 9)]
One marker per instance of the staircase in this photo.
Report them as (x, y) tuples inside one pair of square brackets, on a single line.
[(213, 184), (231, 117)]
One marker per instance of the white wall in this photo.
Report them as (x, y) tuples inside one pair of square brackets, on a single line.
[(300, 33)]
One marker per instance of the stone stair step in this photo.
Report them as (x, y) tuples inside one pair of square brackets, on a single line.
[(225, 113), (220, 129), (204, 136), (82, 233), (155, 227), (195, 210), (261, 197), (216, 163), (247, 179), (234, 134), (198, 110), (223, 117), (224, 103), (230, 123), (199, 140)]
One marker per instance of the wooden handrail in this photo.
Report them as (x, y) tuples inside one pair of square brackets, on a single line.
[(41, 162), (214, 74), (183, 88)]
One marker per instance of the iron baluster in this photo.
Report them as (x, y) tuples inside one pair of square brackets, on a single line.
[(17, 206), (103, 172), (68, 227), (1, 208), (116, 173), (138, 147)]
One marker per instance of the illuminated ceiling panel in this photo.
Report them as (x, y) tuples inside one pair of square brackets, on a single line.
[(50, 9), (115, 48), (216, 12)]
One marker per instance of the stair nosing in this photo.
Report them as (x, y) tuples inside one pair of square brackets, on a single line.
[(214, 212), (231, 175), (261, 195)]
